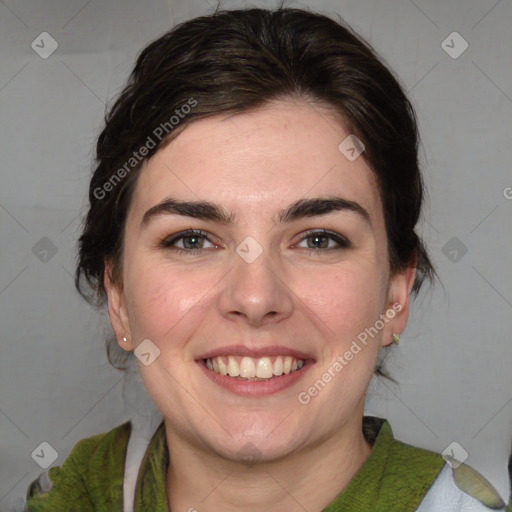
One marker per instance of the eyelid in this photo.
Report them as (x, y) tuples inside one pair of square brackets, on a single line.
[(342, 241), (168, 241)]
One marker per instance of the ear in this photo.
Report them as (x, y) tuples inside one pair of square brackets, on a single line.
[(398, 302), (117, 309)]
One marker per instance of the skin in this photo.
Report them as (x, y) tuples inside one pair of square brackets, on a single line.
[(255, 164)]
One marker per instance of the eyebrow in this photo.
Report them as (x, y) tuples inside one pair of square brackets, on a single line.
[(302, 208)]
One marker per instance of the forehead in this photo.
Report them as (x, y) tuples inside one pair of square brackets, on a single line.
[(258, 161)]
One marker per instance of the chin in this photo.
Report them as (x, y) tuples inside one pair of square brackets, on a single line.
[(257, 445)]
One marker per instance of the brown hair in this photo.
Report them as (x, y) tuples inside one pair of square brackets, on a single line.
[(235, 61)]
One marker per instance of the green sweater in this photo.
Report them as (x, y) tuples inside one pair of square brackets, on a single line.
[(395, 477)]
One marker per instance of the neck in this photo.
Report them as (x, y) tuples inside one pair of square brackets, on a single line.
[(308, 479)]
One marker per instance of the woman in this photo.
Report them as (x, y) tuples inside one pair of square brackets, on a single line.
[(251, 226)]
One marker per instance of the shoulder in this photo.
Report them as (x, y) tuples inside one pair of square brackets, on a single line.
[(461, 489), (439, 484), (93, 468)]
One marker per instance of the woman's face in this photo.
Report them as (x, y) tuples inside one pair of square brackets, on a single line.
[(259, 282)]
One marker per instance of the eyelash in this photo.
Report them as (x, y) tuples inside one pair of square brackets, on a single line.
[(167, 243)]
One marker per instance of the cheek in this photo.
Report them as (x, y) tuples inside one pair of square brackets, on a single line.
[(160, 298), (349, 300)]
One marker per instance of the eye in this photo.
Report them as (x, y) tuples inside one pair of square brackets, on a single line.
[(322, 237), (192, 241)]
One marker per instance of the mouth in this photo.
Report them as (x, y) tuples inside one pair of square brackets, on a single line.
[(255, 372)]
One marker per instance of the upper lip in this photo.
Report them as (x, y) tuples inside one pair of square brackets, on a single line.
[(242, 350)]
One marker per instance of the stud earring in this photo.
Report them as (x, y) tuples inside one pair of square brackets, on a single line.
[(396, 338), (124, 339)]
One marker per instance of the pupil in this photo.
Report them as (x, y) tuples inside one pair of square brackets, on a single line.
[(316, 238), (191, 238)]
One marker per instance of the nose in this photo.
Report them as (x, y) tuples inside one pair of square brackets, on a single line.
[(257, 290)]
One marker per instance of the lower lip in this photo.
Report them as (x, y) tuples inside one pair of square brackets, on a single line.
[(256, 388)]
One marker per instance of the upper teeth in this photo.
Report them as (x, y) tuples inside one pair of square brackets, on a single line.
[(263, 368)]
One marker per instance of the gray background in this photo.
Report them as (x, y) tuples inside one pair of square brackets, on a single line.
[(454, 357)]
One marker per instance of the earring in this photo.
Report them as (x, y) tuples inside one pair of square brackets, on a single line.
[(124, 339), (396, 338)]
